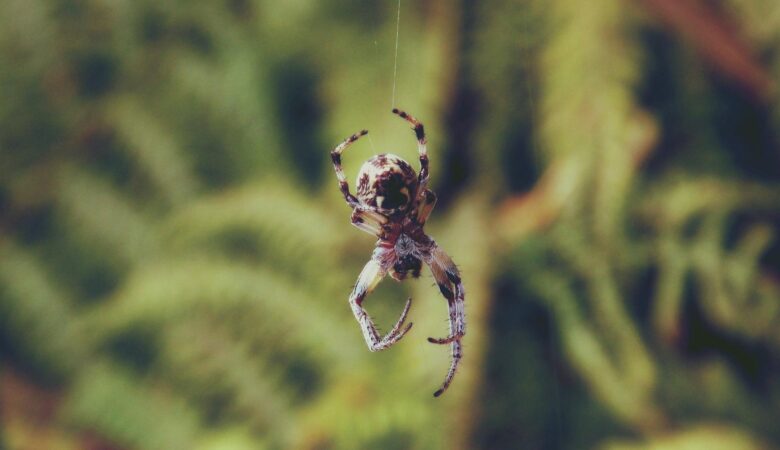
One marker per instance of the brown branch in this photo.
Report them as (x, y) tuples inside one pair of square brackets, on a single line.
[(717, 41)]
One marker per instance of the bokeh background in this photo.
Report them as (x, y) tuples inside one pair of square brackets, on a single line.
[(175, 256)]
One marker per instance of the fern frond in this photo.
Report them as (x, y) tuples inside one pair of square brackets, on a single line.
[(204, 362), (36, 319), (173, 290), (104, 219), (154, 148), (588, 352), (291, 230), (129, 412), (712, 436), (234, 97)]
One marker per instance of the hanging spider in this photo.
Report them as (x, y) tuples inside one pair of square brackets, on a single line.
[(393, 204)]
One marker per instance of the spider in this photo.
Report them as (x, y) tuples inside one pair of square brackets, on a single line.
[(393, 203)]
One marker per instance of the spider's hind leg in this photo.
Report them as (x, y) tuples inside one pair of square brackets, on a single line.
[(372, 274), (448, 277)]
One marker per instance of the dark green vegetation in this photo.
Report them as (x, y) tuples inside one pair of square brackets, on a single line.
[(175, 257)]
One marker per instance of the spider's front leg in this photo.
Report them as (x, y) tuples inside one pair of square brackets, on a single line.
[(447, 276), (419, 133), (372, 274), (335, 155)]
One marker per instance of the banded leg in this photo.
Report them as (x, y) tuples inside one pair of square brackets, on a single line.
[(419, 132), (427, 202), (371, 275), (369, 221), (335, 155), (447, 276)]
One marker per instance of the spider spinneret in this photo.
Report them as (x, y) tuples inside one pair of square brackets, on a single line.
[(393, 203)]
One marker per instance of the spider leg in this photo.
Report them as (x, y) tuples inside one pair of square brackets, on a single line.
[(369, 221), (426, 206), (446, 275), (419, 132), (372, 274), (335, 155)]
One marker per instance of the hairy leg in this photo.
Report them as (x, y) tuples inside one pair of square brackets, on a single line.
[(372, 274), (335, 155), (369, 221), (427, 202), (447, 276), (419, 132)]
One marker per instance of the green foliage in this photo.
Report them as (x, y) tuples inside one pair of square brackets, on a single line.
[(175, 256), (37, 322), (131, 414), (628, 252)]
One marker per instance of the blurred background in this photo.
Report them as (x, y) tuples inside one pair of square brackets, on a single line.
[(175, 256)]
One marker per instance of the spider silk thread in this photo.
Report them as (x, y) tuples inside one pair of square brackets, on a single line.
[(395, 60)]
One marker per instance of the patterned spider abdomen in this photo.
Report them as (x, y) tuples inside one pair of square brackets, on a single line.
[(387, 184)]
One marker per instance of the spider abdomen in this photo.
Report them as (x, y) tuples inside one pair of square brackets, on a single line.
[(387, 184)]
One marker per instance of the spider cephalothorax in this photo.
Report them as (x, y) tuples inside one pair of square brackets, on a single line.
[(393, 204)]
